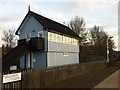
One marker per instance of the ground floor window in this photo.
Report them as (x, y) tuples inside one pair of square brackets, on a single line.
[(65, 54)]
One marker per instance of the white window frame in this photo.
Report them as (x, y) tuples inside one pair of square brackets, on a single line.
[(49, 36), (28, 38), (41, 32)]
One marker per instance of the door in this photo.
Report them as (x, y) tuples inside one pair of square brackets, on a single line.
[(30, 62)]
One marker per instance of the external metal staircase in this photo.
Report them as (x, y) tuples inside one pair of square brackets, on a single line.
[(36, 43), (14, 56)]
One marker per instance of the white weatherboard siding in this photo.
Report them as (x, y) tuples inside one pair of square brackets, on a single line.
[(60, 47), (55, 55), (29, 25), (55, 59), (32, 26)]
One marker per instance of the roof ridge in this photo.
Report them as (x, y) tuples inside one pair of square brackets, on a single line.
[(49, 19), (51, 25)]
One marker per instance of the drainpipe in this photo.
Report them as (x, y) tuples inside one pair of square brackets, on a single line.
[(79, 51), (30, 61), (25, 62)]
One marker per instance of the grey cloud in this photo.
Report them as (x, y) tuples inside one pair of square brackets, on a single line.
[(10, 18)]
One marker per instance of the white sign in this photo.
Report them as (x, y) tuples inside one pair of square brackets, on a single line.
[(13, 68), (11, 77)]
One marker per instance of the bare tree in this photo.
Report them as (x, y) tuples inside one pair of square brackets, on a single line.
[(9, 38), (78, 25), (97, 36), (98, 39)]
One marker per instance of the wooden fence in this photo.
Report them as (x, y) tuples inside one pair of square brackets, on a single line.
[(38, 78)]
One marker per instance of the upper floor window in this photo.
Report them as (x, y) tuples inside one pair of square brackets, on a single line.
[(64, 39), (28, 36), (61, 38), (58, 38), (49, 36), (70, 40), (53, 37), (40, 34)]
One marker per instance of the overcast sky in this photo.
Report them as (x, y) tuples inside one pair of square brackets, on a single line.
[(95, 12)]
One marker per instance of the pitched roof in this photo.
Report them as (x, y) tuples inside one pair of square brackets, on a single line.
[(49, 24)]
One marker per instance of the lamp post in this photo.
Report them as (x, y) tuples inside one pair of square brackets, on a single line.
[(108, 49)]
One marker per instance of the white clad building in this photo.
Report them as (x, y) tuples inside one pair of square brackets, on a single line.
[(54, 44)]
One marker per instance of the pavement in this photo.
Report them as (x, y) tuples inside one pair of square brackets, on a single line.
[(110, 82)]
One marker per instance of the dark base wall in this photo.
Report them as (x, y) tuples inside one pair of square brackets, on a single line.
[(115, 63)]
